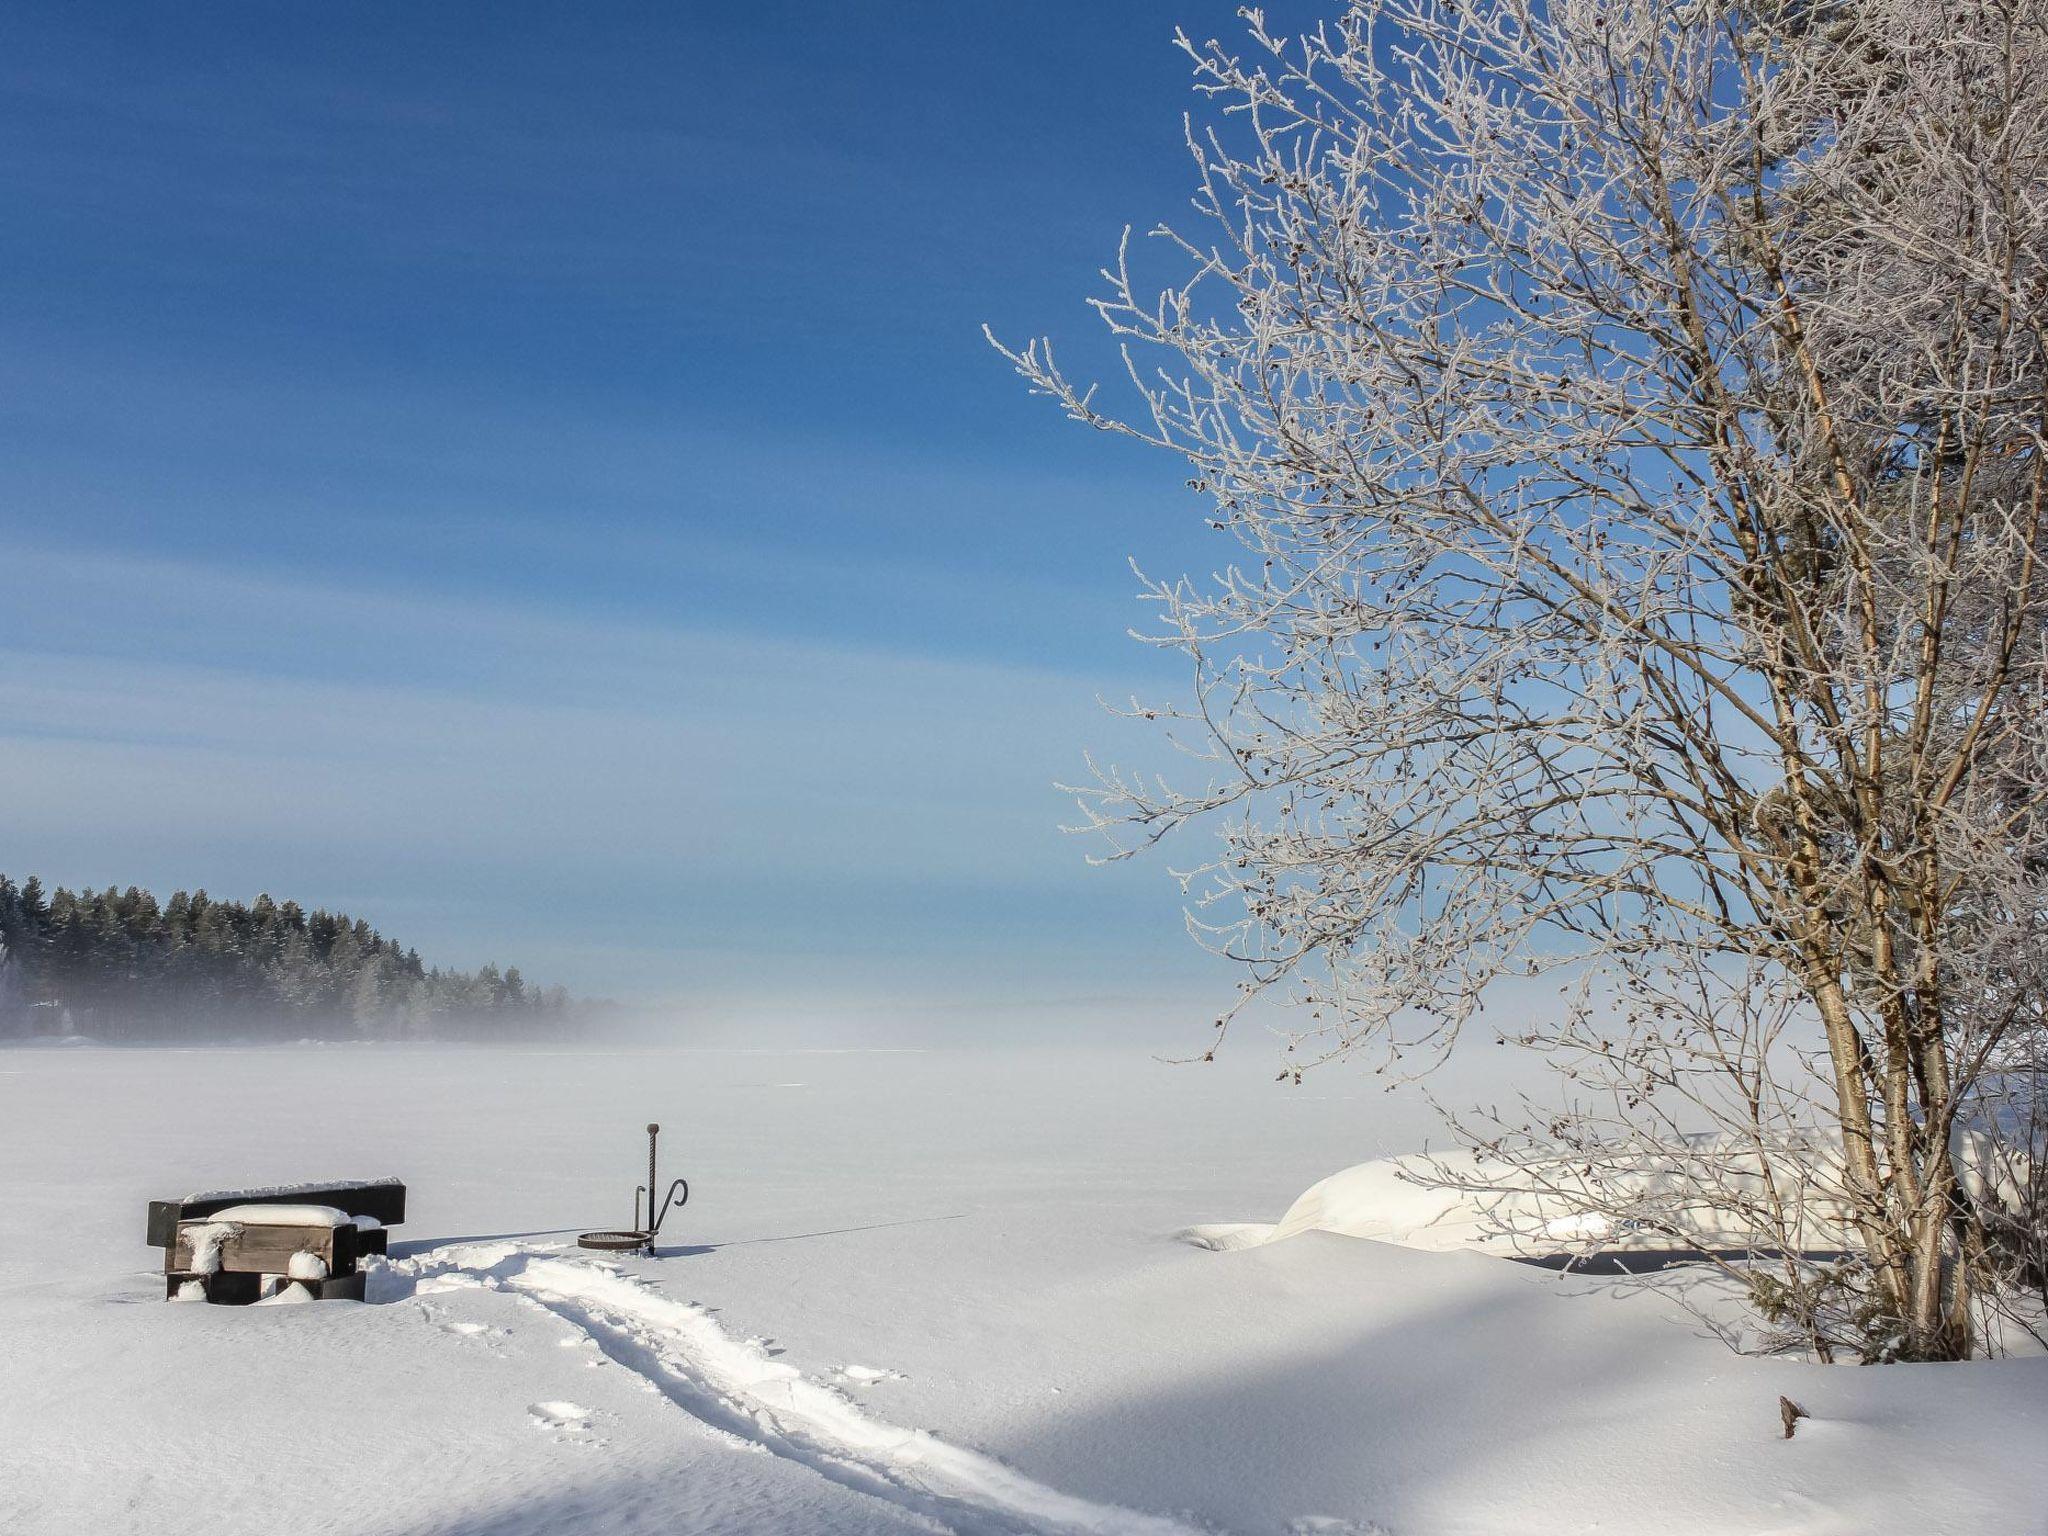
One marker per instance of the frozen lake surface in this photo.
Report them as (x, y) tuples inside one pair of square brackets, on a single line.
[(913, 1291)]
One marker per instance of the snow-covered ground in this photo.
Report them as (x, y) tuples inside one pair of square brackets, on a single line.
[(913, 1291)]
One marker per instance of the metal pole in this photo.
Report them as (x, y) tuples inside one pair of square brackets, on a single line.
[(653, 1133)]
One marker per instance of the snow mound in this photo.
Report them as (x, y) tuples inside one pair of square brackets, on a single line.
[(206, 1245), (1381, 1200), (1461, 1200)]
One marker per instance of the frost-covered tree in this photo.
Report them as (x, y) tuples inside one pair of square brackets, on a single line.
[(1633, 415)]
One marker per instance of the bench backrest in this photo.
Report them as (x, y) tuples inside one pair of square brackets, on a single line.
[(382, 1200)]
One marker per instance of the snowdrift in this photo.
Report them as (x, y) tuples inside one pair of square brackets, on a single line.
[(1446, 1202), (1385, 1200)]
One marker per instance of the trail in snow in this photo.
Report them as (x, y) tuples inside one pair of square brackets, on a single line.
[(736, 1388)]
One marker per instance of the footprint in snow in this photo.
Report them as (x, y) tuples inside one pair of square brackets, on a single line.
[(559, 1413), (461, 1329), (867, 1375), (435, 1285)]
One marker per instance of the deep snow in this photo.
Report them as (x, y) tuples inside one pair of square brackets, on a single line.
[(912, 1291)]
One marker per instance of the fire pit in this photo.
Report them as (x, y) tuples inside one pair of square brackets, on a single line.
[(640, 1236)]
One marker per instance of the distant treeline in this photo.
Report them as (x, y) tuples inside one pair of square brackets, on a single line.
[(119, 965)]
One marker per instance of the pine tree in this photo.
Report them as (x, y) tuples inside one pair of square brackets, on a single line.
[(122, 966)]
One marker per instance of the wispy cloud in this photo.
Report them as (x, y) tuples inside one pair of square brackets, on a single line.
[(648, 809)]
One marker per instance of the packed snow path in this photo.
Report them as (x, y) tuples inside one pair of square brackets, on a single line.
[(735, 1387)]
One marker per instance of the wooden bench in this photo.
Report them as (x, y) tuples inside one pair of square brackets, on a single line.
[(231, 1256)]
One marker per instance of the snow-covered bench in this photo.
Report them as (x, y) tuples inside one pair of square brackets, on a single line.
[(235, 1245)]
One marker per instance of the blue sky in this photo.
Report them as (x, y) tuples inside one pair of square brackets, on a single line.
[(532, 476)]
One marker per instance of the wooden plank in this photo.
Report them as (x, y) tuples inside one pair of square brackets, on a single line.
[(163, 1222), (343, 1287), (382, 1200), (267, 1250)]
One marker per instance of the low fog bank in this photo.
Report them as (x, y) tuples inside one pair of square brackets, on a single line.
[(62, 1027), (1161, 1033)]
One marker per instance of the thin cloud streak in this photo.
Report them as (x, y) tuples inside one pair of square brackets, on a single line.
[(746, 813)]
